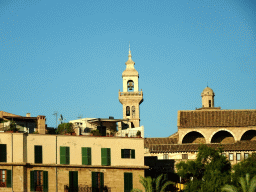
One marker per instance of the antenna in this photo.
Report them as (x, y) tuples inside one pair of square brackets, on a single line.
[(80, 116), (56, 113), (129, 46), (207, 83)]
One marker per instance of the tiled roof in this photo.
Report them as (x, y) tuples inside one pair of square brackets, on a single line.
[(174, 148), (216, 118), (165, 140)]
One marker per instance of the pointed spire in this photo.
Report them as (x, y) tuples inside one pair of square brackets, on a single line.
[(130, 54)]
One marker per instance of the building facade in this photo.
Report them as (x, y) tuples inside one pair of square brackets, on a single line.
[(233, 130), (41, 162)]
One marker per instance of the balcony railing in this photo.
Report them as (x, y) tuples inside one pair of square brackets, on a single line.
[(86, 188), (138, 93)]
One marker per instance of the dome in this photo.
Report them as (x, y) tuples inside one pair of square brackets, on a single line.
[(207, 91)]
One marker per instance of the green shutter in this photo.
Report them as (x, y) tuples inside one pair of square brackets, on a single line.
[(104, 156), (70, 178), (108, 156), (128, 183), (75, 179), (32, 181), (133, 153), (67, 155), (94, 181), (45, 181), (101, 181), (62, 155), (122, 153), (89, 155), (86, 156), (38, 154), (9, 178), (2, 152)]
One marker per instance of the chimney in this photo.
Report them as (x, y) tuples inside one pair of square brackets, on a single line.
[(28, 115), (41, 124)]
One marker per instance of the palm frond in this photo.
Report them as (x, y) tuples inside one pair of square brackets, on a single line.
[(252, 185), (243, 183), (229, 188), (166, 184), (158, 182)]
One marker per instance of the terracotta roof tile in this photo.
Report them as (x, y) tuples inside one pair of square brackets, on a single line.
[(174, 148)]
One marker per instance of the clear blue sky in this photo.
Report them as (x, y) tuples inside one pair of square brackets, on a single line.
[(68, 56)]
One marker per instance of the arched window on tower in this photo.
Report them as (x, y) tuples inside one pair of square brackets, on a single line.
[(210, 103), (130, 85), (133, 111), (127, 111)]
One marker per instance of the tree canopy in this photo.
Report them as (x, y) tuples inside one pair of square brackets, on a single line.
[(208, 173)]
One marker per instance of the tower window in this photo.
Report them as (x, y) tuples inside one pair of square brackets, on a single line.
[(130, 85), (210, 103), (133, 111), (127, 111)]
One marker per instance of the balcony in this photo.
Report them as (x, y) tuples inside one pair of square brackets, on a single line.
[(138, 93)]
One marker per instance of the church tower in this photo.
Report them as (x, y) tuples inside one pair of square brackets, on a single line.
[(131, 97), (207, 97)]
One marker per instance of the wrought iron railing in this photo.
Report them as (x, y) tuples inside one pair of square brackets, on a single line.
[(86, 188)]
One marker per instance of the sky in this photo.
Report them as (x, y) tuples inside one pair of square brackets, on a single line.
[(68, 57)]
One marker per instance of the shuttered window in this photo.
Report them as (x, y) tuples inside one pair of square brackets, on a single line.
[(86, 156), (105, 156), (73, 181), (64, 155), (39, 181), (38, 154), (97, 181), (5, 178), (3, 153), (128, 183)]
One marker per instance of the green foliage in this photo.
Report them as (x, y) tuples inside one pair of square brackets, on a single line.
[(241, 169), (13, 126), (65, 128), (246, 185), (96, 132), (156, 185), (210, 171), (138, 134)]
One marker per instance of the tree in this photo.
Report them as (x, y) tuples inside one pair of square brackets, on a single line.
[(65, 127), (247, 185), (208, 173), (156, 185), (241, 169)]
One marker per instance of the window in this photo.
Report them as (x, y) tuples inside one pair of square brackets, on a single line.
[(5, 178), (210, 104), (86, 156), (246, 155), (73, 181), (238, 156), (128, 183), (64, 155), (130, 85), (128, 153), (127, 111), (184, 156), (39, 181), (105, 156), (231, 156), (38, 154), (3, 153), (165, 156), (97, 181)]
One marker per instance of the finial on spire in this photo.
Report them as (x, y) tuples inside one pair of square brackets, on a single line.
[(207, 83), (129, 46)]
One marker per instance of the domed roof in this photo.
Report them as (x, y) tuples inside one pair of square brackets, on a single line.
[(207, 91)]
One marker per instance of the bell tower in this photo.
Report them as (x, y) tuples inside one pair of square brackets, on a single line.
[(131, 97)]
